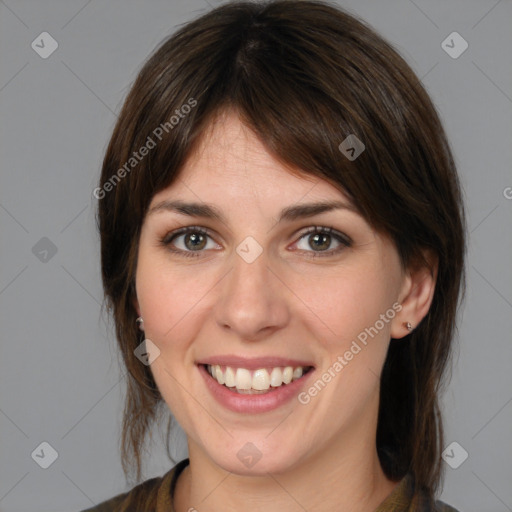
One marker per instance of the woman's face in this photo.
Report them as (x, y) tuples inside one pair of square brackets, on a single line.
[(257, 285)]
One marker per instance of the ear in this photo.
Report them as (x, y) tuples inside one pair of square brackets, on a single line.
[(416, 294), (136, 305)]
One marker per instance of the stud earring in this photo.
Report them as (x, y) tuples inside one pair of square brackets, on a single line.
[(408, 326), (140, 322)]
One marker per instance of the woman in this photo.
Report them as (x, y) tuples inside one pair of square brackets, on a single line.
[(281, 222)]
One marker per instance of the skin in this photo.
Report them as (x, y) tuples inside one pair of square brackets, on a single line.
[(317, 456)]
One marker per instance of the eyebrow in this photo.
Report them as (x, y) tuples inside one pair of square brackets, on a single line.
[(289, 213)]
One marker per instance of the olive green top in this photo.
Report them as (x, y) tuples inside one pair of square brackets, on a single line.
[(156, 494)]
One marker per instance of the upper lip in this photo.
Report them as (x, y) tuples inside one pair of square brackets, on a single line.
[(253, 363)]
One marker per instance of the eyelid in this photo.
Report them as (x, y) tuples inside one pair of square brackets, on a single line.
[(185, 230), (325, 229)]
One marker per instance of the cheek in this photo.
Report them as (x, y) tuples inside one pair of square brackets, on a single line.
[(346, 324), (168, 297), (345, 301), (170, 303)]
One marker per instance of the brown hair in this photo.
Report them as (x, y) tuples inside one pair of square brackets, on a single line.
[(303, 75)]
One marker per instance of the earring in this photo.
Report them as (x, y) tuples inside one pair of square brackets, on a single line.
[(408, 326), (140, 322)]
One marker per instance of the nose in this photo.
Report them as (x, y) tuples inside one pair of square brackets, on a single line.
[(253, 300)]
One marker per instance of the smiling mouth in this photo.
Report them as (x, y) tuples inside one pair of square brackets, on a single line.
[(253, 382)]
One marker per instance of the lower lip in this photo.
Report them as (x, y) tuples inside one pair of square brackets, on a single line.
[(253, 403)]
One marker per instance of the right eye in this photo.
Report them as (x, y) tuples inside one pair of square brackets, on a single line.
[(194, 241)]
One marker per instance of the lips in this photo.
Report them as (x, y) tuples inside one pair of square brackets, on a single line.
[(251, 401)]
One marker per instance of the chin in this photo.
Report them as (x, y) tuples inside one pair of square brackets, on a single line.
[(249, 460)]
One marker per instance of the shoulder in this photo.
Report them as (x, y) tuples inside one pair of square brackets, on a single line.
[(443, 507), (143, 496), (407, 497), (426, 504), (422, 503), (147, 496)]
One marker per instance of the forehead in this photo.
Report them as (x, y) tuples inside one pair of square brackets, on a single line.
[(231, 163)]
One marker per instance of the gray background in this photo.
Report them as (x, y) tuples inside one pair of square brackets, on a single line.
[(60, 380)]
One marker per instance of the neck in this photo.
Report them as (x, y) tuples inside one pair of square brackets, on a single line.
[(332, 479)]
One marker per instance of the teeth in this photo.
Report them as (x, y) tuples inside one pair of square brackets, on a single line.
[(218, 375), (243, 378), (229, 377), (297, 373), (287, 375), (276, 377), (258, 381)]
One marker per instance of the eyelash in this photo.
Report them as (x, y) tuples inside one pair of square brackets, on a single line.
[(344, 240)]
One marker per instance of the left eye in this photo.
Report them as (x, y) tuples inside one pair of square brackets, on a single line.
[(319, 239)]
